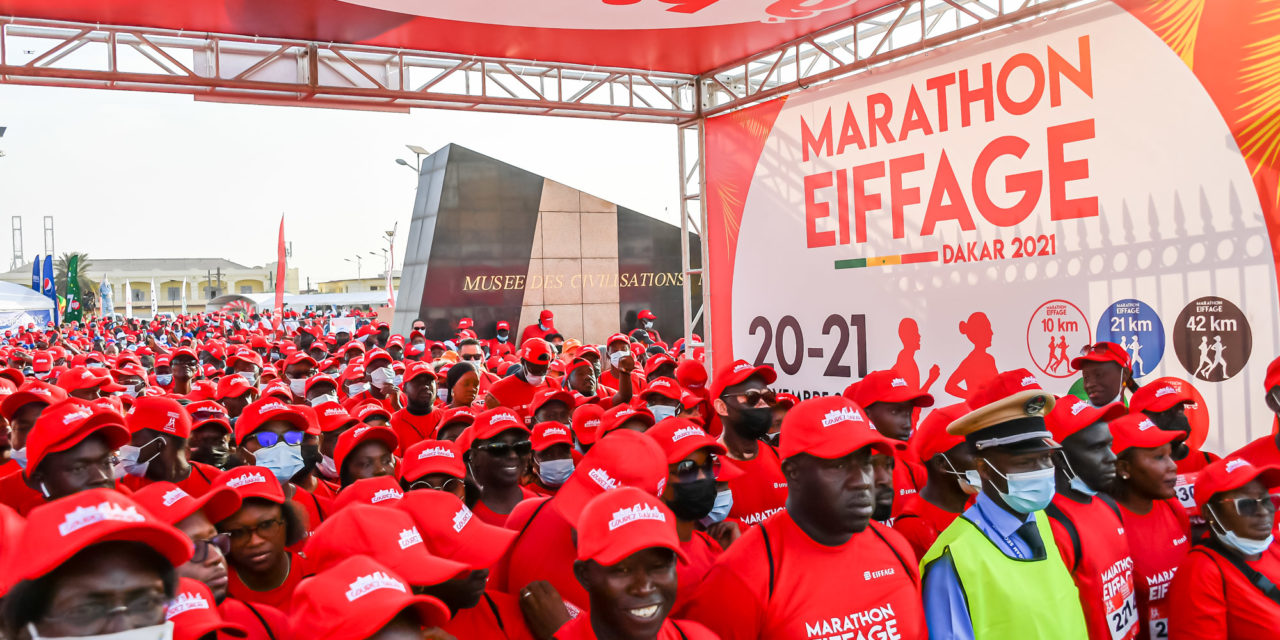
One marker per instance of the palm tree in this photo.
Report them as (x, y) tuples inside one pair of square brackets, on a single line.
[(87, 286)]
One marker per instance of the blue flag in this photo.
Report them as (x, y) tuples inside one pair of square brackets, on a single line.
[(35, 276), (47, 287)]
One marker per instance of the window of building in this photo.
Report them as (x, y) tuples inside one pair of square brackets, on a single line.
[(137, 295), (244, 288), (175, 293)]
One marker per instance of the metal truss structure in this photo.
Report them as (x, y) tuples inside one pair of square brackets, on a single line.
[(232, 68)]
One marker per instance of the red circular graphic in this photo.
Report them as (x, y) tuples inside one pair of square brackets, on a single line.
[(1055, 333)]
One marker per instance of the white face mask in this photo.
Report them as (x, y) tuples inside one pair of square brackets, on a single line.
[(321, 399), (328, 468), (298, 386), (648, 324), (164, 379), (129, 465), (19, 456), (720, 510), (661, 412), (382, 376), (357, 388), (534, 380), (1246, 546), (157, 632), (616, 357), (249, 376), (442, 393)]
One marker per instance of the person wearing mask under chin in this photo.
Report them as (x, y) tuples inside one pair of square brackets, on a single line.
[(996, 571), (742, 403), (1087, 525), (1225, 589)]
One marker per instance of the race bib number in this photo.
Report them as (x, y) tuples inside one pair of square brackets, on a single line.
[(1122, 616), (1158, 626), (1186, 492)]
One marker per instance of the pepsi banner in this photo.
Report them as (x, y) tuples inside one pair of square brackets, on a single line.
[(1106, 174)]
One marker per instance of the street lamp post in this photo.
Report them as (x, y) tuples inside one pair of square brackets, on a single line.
[(357, 261), (418, 152)]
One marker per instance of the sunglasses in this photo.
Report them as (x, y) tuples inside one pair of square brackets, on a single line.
[(449, 486), (270, 438), (689, 471), (474, 357), (753, 397), (1100, 348), (222, 541), (1249, 507), (502, 449)]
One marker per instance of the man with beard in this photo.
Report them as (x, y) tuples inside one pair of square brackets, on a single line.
[(1086, 523), (158, 451), (821, 568), (742, 401)]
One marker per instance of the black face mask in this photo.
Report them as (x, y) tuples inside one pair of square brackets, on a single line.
[(751, 424), (215, 456), (311, 458), (693, 500)]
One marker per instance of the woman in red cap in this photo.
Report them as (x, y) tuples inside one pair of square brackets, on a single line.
[(361, 598), (1157, 527), (1225, 589), (260, 532), (628, 551), (497, 458)]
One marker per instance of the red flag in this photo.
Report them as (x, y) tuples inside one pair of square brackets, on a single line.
[(278, 313)]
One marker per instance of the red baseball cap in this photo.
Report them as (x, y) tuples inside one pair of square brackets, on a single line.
[(371, 409), (251, 482), (1102, 352), (543, 396), (333, 416), (625, 459), (1160, 395), (1071, 414), (615, 417), (416, 369), (931, 438), (426, 457), (537, 351), (656, 361), (831, 427), (665, 387), (680, 437), (1232, 473), (386, 534), (30, 391), (264, 410), (455, 415), (494, 421), (1005, 384), (616, 524), (352, 438), (183, 351), (503, 324), (57, 530), (158, 413), (545, 315), (319, 379), (207, 412), (66, 424), (379, 491), (586, 423), (887, 385), (646, 314), (547, 434), (375, 354), (737, 372), (450, 530), (78, 378), (247, 356), (1137, 430), (354, 599), (194, 613), (298, 357), (233, 387), (171, 504)]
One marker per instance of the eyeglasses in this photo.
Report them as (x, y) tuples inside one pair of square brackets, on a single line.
[(1100, 348), (448, 486), (753, 397), (1249, 507), (262, 529), (270, 438), (502, 449), (144, 610), (689, 471), (222, 541), (473, 357)]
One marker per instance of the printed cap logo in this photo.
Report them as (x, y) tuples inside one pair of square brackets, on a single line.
[(364, 585), (601, 477), (246, 479), (594, 422), (409, 537), (639, 511), (436, 452), (104, 511), (385, 494), (186, 601), (334, 411), (1029, 380), (461, 518), (741, 366), (77, 414), (898, 382), (554, 431), (1145, 424), (359, 430), (172, 496), (272, 406), (1079, 406), (1164, 391), (1232, 465), (507, 416), (841, 415), (685, 432)]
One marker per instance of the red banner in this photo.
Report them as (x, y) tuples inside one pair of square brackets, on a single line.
[(281, 271)]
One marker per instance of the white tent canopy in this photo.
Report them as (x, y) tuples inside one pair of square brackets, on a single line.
[(298, 301), (20, 306)]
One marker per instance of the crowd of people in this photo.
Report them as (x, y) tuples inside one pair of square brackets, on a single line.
[(215, 476)]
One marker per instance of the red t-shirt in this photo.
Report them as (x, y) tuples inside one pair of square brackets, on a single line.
[(1211, 600), (196, 484), (607, 379), (389, 403), (9, 468), (535, 331), (280, 597), (544, 550), (489, 516), (1103, 571), (702, 551), (580, 629), (269, 624), (411, 429), (908, 479), (761, 490), (15, 493), (497, 616), (921, 522), (1158, 542), (868, 587), (314, 507), (500, 349), (514, 392)]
